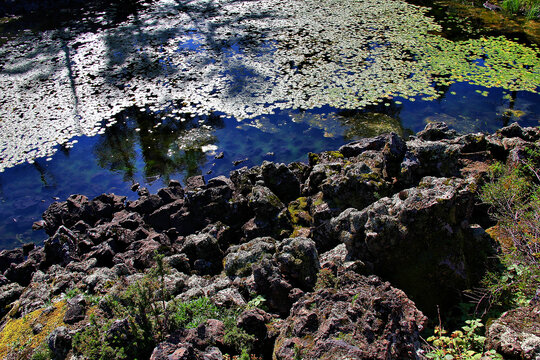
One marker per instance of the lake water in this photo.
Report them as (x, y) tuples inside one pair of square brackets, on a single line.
[(159, 90)]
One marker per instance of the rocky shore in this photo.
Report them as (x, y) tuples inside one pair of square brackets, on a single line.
[(337, 258)]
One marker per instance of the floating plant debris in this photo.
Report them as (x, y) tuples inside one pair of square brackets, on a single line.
[(240, 60)]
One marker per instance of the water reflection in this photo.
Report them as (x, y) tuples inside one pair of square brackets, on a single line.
[(170, 142)]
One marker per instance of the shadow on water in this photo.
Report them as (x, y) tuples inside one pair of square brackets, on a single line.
[(166, 144)]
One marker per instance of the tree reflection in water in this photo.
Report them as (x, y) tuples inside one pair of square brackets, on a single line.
[(164, 143)]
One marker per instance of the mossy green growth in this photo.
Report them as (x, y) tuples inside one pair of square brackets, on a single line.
[(313, 159), (299, 212), (17, 338)]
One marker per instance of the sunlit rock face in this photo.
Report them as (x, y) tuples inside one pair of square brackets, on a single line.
[(240, 58)]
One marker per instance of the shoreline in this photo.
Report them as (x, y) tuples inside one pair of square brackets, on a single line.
[(377, 213)]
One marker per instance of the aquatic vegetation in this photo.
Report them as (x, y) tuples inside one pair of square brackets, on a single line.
[(239, 60), (531, 8), (488, 62)]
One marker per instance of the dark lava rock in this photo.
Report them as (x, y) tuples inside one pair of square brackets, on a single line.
[(362, 318), (264, 202), (193, 344), (205, 249), (195, 182), (420, 233), (76, 309), (8, 257), (59, 342), (281, 180), (8, 294), (298, 261), (436, 131)]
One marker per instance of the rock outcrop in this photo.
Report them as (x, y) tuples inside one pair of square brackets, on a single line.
[(317, 242)]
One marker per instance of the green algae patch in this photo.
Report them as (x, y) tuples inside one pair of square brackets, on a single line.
[(17, 335), (370, 125)]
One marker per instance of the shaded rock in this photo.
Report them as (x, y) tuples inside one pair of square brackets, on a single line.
[(254, 321), (76, 309), (270, 283), (281, 181), (244, 179), (203, 247), (179, 262), (59, 342), (22, 273), (105, 205), (8, 257), (171, 194), (144, 253), (54, 216), (61, 248), (422, 232), (160, 219), (103, 253), (145, 205), (119, 332), (363, 318), (516, 334), (8, 294)]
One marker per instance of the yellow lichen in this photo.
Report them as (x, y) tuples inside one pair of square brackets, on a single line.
[(17, 336)]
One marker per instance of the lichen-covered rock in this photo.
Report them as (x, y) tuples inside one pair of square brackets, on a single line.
[(420, 233), (203, 247), (264, 202), (298, 260), (429, 158), (362, 318), (240, 258), (516, 334)]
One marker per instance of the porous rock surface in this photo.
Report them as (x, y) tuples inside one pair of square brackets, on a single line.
[(379, 209), (516, 334)]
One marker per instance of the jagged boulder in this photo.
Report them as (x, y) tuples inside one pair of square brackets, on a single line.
[(240, 258), (420, 233), (362, 318)]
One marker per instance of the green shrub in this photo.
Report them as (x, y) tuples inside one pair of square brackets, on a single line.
[(529, 8), (43, 353), (189, 315), (462, 344), (152, 314), (514, 195), (513, 192)]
